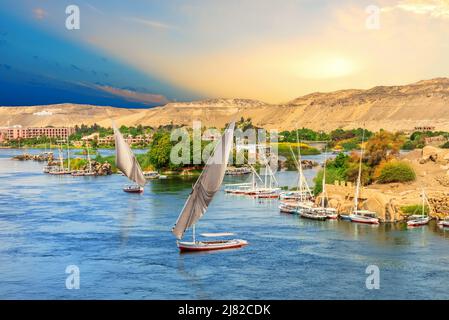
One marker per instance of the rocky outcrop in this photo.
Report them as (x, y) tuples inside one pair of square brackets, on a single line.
[(386, 206), (439, 203), (35, 157), (100, 169), (434, 154), (309, 164)]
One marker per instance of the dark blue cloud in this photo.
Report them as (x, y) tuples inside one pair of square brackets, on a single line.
[(70, 70)]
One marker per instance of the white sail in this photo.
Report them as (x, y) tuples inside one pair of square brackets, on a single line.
[(125, 159), (207, 184)]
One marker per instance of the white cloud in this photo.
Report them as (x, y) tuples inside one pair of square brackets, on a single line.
[(432, 8)]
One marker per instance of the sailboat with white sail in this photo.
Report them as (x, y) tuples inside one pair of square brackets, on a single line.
[(357, 215), (126, 161), (201, 196), (423, 218)]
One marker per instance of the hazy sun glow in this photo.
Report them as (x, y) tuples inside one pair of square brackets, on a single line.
[(325, 67)]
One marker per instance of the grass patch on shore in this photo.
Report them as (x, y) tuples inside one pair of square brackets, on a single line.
[(414, 209), (284, 149)]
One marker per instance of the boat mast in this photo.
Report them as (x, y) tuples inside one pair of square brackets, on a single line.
[(88, 160), (61, 160), (68, 155), (357, 190), (301, 190), (324, 180)]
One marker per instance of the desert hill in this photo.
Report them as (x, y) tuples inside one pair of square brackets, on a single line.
[(425, 103)]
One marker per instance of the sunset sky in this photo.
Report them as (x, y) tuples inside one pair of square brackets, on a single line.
[(148, 52)]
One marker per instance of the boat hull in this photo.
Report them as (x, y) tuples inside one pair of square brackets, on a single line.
[(313, 216), (290, 210), (133, 190), (444, 224), (365, 220), (211, 245), (417, 223)]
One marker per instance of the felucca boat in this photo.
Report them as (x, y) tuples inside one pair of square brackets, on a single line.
[(423, 219), (303, 202), (270, 189), (362, 216), (324, 209), (244, 188), (61, 170), (303, 194), (201, 196), (126, 161)]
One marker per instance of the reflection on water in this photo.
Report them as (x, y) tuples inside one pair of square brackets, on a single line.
[(124, 248)]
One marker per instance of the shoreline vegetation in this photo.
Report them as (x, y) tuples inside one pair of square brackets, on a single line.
[(382, 148)]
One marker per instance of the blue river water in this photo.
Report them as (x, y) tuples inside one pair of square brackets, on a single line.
[(124, 249)]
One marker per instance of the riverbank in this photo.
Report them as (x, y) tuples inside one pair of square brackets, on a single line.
[(431, 166)]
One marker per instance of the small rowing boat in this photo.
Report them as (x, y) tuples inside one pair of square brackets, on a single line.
[(364, 216), (423, 219), (133, 189), (288, 208), (196, 246)]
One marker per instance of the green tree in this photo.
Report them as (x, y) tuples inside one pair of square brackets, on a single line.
[(160, 150)]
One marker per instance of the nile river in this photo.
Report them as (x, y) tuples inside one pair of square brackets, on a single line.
[(124, 249)]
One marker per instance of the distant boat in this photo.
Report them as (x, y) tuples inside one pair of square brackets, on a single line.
[(310, 213), (362, 216), (303, 197), (269, 190), (286, 207), (60, 170), (324, 209), (238, 171), (423, 219), (126, 161), (151, 175), (201, 196), (85, 173), (303, 194), (444, 223)]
